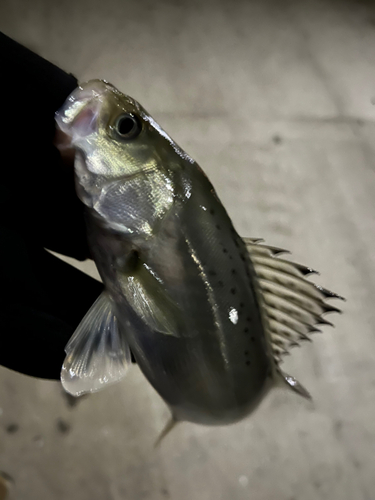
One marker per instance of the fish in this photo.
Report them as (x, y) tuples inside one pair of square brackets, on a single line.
[(208, 315)]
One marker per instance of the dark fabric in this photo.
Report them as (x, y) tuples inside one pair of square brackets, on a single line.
[(43, 298)]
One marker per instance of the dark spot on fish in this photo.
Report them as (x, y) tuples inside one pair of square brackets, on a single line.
[(277, 139), (246, 353), (212, 211), (12, 428), (242, 305), (230, 257), (247, 363), (233, 271), (62, 426), (164, 492), (225, 250), (242, 257), (218, 227), (220, 283), (212, 273), (132, 261), (233, 291), (248, 319), (246, 330), (252, 339), (236, 243)]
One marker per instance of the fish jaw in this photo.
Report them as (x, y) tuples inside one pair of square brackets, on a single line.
[(66, 134), (77, 117)]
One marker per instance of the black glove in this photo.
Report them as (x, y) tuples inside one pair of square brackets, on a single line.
[(43, 298)]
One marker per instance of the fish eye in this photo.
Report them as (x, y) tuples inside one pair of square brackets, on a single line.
[(128, 126)]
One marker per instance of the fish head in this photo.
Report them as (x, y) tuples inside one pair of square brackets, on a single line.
[(114, 137)]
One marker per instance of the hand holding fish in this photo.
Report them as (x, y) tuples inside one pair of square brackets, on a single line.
[(44, 298)]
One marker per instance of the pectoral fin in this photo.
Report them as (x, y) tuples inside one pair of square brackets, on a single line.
[(97, 354), (147, 295)]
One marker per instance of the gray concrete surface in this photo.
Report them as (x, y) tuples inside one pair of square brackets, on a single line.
[(273, 99)]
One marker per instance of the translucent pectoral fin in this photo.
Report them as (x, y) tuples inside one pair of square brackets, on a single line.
[(148, 297), (97, 354)]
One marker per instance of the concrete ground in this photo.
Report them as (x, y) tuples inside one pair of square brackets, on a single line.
[(275, 100)]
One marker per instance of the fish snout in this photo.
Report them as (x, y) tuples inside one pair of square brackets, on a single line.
[(78, 116)]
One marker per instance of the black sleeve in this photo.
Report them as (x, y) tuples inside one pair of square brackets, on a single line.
[(43, 298)]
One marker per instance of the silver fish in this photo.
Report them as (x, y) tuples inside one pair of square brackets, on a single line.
[(207, 314)]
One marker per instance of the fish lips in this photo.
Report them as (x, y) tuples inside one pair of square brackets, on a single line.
[(78, 116)]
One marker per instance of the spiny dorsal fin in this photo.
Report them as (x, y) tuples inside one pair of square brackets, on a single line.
[(292, 306), (312, 305), (265, 250), (283, 265)]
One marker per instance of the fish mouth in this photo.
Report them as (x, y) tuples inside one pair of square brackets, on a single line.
[(78, 116)]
